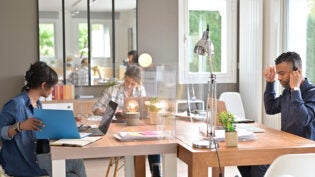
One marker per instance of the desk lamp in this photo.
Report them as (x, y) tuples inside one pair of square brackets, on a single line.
[(203, 47)]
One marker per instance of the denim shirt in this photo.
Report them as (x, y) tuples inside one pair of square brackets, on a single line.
[(297, 108), (18, 153)]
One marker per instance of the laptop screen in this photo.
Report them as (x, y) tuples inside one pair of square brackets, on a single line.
[(108, 116)]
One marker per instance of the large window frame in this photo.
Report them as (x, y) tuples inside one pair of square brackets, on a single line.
[(228, 72)]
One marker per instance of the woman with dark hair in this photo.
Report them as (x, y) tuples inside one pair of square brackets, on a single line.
[(21, 153)]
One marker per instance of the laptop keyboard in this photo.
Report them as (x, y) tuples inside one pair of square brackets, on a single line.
[(95, 132)]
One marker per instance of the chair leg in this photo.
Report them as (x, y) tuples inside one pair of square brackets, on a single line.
[(116, 166), (109, 166)]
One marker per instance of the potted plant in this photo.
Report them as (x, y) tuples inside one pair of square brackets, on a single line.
[(153, 109), (227, 121)]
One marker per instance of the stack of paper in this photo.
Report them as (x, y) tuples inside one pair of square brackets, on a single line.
[(143, 135), (243, 135), (75, 142)]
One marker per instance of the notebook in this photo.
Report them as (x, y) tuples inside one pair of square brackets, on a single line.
[(106, 119), (59, 124)]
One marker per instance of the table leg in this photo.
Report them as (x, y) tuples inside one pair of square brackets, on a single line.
[(216, 171), (59, 168), (129, 166), (139, 162), (169, 164), (197, 170)]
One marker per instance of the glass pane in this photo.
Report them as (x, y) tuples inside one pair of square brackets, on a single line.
[(301, 36), (202, 14), (76, 38), (50, 35), (47, 40), (126, 28), (101, 42)]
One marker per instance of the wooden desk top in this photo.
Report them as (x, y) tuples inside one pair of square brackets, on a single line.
[(264, 150), (108, 146)]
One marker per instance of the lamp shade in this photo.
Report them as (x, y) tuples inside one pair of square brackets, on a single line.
[(145, 60), (202, 46)]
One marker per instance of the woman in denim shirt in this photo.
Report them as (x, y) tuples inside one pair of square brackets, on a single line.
[(18, 155), (130, 88)]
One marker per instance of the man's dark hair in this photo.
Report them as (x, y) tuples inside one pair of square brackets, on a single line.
[(132, 52), (291, 57), (38, 73)]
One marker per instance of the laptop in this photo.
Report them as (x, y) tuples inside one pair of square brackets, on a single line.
[(59, 124), (105, 122)]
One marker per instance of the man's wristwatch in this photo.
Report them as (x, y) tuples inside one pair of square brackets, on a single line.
[(16, 127), (296, 88)]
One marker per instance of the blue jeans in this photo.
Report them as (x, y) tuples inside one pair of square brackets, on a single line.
[(74, 168), (155, 163)]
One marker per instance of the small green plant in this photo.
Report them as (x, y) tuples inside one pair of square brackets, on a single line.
[(227, 121), (153, 106)]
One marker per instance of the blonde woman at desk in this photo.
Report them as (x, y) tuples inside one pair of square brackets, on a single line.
[(21, 153), (130, 87)]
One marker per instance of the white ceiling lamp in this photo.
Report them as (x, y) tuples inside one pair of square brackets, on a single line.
[(145, 60)]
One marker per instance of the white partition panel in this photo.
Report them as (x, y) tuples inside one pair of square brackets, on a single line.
[(250, 55)]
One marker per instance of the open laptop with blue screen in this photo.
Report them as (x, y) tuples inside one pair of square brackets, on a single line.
[(59, 124), (105, 122)]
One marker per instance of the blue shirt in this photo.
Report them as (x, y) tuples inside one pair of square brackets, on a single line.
[(297, 108), (18, 153)]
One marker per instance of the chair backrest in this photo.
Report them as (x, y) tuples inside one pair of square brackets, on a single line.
[(233, 103), (220, 108), (292, 165)]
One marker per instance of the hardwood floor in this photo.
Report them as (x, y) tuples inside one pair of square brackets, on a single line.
[(98, 167)]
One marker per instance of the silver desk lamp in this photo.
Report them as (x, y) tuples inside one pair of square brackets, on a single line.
[(203, 47)]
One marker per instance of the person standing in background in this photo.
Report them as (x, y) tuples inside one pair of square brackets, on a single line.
[(80, 76), (132, 58)]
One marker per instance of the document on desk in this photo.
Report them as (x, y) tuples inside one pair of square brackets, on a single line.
[(143, 135), (243, 135), (75, 142), (199, 116)]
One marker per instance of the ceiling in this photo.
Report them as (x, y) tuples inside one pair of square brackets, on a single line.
[(95, 5)]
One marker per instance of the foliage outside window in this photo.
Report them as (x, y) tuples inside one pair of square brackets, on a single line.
[(221, 16), (198, 20), (310, 53), (46, 40), (300, 33), (83, 40)]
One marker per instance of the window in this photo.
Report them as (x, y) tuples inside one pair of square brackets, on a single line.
[(47, 40), (300, 33), (93, 36), (194, 17)]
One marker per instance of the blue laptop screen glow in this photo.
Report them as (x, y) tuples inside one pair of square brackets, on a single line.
[(59, 124)]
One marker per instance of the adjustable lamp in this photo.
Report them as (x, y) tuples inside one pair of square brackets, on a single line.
[(203, 47)]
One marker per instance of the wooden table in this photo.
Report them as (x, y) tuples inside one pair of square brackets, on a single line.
[(264, 150), (108, 146)]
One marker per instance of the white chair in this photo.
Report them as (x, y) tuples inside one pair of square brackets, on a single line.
[(233, 103), (292, 165)]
